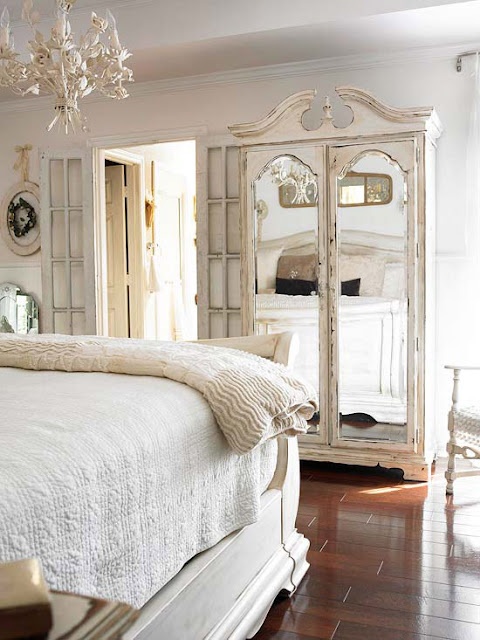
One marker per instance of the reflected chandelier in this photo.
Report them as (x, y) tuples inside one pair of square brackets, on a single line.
[(286, 171), (60, 67)]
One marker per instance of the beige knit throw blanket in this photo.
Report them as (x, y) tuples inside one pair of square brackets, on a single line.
[(252, 398)]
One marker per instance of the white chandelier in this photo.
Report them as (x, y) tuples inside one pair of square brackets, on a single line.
[(60, 67)]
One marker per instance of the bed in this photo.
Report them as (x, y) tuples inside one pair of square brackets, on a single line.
[(151, 503), (372, 315)]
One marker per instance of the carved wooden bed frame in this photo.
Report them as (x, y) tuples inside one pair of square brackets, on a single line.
[(227, 591)]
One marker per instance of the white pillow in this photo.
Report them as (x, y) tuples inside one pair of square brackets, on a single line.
[(394, 284), (267, 260), (371, 272)]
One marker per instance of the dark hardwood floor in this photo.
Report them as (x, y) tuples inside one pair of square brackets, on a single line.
[(389, 559)]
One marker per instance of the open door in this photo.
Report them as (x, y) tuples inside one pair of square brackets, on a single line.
[(170, 312), (117, 264)]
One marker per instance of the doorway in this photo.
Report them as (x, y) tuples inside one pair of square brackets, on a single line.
[(146, 241)]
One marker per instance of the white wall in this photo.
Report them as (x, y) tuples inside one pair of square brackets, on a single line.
[(388, 218), (423, 83)]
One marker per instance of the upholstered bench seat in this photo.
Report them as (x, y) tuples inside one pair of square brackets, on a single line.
[(467, 425)]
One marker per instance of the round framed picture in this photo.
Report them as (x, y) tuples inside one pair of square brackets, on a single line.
[(20, 218)]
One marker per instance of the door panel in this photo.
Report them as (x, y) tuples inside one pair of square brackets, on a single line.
[(68, 269), (218, 239), (283, 246), (117, 278), (372, 283)]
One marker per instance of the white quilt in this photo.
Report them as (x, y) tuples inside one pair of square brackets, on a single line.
[(252, 399), (115, 481)]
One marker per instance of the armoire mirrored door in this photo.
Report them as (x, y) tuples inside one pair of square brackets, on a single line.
[(372, 241), (286, 198)]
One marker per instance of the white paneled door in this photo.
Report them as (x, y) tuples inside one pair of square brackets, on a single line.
[(117, 277), (218, 244), (68, 269)]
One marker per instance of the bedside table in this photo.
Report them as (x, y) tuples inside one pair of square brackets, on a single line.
[(85, 618)]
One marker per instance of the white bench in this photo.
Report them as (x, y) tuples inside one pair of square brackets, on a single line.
[(464, 428)]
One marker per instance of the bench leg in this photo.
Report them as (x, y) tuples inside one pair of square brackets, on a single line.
[(449, 473)]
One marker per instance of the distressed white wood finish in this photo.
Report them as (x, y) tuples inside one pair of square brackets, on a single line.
[(218, 238), (226, 591), (370, 118), (68, 265), (405, 137), (466, 449)]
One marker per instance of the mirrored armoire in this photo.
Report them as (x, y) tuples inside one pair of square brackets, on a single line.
[(337, 229)]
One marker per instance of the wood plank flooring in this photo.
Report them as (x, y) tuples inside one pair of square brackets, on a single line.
[(389, 559)]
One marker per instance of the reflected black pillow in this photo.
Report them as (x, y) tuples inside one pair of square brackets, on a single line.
[(290, 287), (351, 287)]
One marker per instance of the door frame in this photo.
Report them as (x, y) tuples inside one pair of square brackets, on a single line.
[(106, 147), (135, 176)]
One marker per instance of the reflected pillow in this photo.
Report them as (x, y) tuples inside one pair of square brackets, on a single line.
[(351, 287), (267, 261), (369, 269), (297, 275), (298, 267), (296, 287)]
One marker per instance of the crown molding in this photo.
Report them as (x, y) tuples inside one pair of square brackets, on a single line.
[(259, 74), (304, 68), (150, 137), (94, 5)]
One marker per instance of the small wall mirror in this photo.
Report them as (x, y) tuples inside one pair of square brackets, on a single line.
[(18, 311), (364, 189)]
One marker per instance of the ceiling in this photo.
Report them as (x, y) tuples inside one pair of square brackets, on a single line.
[(195, 37)]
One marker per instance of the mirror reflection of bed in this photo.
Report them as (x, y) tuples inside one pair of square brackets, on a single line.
[(372, 307)]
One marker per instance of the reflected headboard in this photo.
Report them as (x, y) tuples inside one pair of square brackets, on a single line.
[(379, 260)]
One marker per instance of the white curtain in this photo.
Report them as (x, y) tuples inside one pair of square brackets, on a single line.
[(467, 336), (472, 226)]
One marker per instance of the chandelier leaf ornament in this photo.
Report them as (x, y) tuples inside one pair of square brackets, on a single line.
[(60, 67)]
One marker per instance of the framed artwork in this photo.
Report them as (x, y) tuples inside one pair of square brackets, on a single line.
[(20, 218)]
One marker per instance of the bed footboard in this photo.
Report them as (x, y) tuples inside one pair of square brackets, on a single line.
[(279, 347), (227, 591)]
